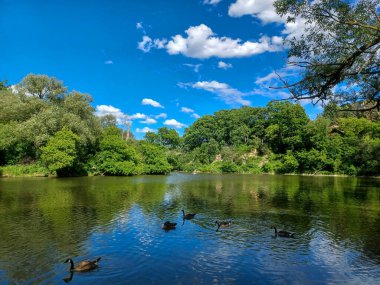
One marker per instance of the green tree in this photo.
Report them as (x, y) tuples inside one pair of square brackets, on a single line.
[(154, 158), (169, 137), (108, 121), (115, 156), (60, 155), (203, 130), (338, 51), (286, 122), (152, 137), (42, 87)]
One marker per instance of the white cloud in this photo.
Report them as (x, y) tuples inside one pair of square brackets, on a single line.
[(162, 115), (262, 9), (195, 115), (146, 44), (144, 130), (187, 110), (272, 79), (265, 11), (102, 110), (148, 121), (201, 42), (147, 101), (211, 2), (174, 123), (224, 92), (159, 44), (108, 62), (139, 26), (194, 66), (224, 65), (137, 116)]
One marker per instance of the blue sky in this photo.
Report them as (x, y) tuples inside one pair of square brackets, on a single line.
[(162, 63)]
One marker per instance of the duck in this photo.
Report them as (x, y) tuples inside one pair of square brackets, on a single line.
[(223, 224), (187, 216), (282, 233), (85, 265), (168, 225)]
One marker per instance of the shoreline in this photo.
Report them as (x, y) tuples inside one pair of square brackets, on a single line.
[(44, 175)]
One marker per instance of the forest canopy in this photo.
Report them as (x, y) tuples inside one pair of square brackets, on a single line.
[(46, 129)]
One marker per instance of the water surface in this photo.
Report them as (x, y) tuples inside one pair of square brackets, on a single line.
[(44, 221)]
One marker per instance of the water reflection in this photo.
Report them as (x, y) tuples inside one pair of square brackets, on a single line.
[(336, 221)]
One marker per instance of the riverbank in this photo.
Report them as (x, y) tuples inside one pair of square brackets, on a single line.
[(33, 170)]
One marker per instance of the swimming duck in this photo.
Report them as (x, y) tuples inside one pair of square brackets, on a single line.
[(187, 216), (222, 224), (85, 265), (168, 225), (282, 233)]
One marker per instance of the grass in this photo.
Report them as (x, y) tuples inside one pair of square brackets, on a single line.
[(32, 170)]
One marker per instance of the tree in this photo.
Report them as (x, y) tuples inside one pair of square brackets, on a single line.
[(169, 137), (287, 122), (108, 121), (152, 137), (60, 155), (203, 130), (154, 158), (42, 87), (338, 51), (115, 156)]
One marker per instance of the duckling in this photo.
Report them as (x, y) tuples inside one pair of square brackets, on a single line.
[(282, 233), (187, 216), (222, 224), (85, 265), (169, 226)]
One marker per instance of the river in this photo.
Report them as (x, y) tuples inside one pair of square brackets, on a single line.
[(336, 221)]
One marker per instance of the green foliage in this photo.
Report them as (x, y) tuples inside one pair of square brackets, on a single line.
[(154, 158), (286, 126), (115, 156), (200, 132), (3, 85), (289, 164), (165, 137), (23, 170), (108, 121), (60, 155), (338, 51), (229, 167), (42, 87), (43, 124)]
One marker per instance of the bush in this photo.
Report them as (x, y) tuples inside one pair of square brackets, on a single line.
[(229, 167), (290, 164)]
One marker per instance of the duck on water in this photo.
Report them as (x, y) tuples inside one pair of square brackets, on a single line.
[(85, 265), (282, 233)]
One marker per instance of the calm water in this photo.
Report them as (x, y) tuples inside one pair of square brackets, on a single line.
[(336, 221)]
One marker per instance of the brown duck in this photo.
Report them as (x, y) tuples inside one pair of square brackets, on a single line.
[(85, 265)]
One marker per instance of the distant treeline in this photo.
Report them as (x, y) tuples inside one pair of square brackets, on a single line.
[(44, 129)]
